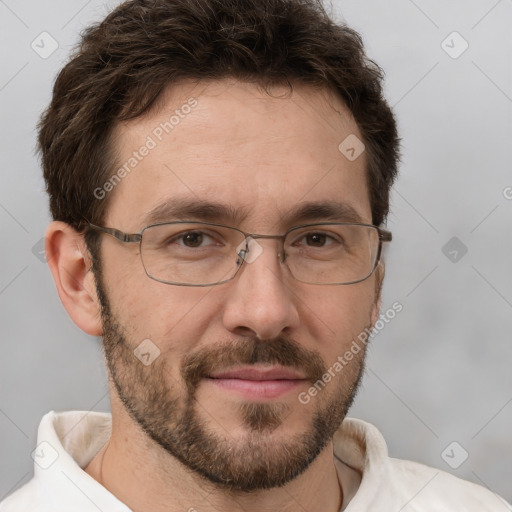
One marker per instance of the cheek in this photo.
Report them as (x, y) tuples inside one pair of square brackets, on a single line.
[(334, 316), (174, 318)]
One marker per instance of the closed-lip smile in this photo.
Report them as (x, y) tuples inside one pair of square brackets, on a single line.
[(258, 382)]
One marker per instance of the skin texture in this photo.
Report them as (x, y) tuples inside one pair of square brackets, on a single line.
[(179, 440)]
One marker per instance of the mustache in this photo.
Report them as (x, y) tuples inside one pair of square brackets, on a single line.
[(251, 350)]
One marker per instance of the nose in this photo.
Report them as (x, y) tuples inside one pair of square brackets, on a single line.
[(259, 300)]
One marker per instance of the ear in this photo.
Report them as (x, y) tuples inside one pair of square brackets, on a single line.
[(379, 279), (69, 262)]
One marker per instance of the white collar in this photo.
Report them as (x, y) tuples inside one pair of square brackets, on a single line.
[(66, 442)]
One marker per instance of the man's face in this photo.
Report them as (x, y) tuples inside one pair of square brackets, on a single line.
[(262, 157)]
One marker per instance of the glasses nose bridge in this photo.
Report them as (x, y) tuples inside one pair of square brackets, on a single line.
[(280, 252)]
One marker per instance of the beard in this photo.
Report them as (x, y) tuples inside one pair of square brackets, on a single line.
[(166, 408)]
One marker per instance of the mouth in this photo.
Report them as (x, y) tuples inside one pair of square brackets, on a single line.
[(257, 382)]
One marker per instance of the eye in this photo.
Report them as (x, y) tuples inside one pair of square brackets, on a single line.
[(316, 239), (192, 239)]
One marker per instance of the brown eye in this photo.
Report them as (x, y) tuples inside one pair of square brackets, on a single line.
[(192, 239), (316, 239)]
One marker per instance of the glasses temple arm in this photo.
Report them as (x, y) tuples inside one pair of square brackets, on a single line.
[(119, 235)]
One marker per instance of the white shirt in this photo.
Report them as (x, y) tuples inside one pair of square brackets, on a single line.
[(370, 479)]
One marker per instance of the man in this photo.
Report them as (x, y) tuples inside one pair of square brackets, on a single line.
[(219, 175)]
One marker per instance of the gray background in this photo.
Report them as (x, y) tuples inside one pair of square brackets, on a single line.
[(440, 371)]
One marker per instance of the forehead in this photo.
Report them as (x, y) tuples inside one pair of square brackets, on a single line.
[(257, 155)]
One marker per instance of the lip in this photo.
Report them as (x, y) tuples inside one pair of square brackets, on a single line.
[(258, 383), (258, 373)]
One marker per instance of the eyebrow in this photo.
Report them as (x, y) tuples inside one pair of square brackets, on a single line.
[(194, 209), (208, 211), (323, 210)]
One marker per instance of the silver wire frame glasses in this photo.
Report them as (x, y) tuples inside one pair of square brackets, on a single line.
[(191, 253)]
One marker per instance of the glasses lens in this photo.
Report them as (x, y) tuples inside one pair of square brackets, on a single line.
[(190, 253), (206, 254), (332, 253)]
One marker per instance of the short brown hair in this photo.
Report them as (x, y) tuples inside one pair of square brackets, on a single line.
[(123, 64)]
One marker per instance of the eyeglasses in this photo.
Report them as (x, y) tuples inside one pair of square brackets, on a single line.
[(189, 253)]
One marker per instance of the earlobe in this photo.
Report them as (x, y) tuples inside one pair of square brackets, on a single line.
[(68, 259)]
